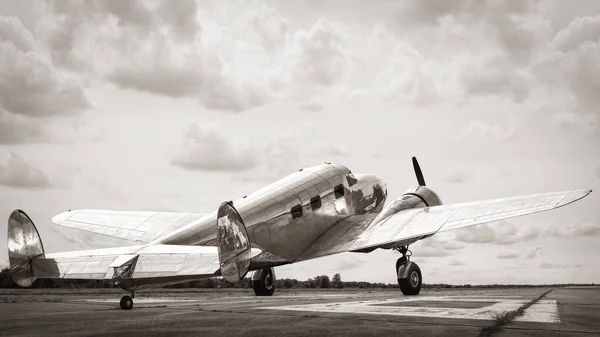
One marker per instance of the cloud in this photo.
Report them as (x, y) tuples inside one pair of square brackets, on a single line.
[(15, 129), (598, 172), (548, 265), (455, 262), (534, 252), (580, 31), (574, 230), (349, 263), (480, 130), (476, 234), (29, 84), (502, 232), (508, 255), (458, 177), (208, 150), (19, 173), (435, 246)]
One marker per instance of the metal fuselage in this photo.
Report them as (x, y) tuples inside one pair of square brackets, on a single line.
[(286, 217)]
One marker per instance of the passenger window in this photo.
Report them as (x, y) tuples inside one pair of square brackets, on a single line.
[(296, 211), (315, 202), (339, 191)]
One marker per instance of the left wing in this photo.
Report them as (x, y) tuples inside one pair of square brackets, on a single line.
[(131, 266), (136, 226), (408, 226)]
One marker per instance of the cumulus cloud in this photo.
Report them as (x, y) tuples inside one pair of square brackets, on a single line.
[(501, 232), (29, 84), (436, 246), (574, 230), (534, 252), (349, 263), (18, 173), (15, 129), (548, 265), (480, 130), (508, 255), (208, 150)]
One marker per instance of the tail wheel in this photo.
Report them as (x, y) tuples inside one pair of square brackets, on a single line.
[(126, 303), (263, 282), (411, 284)]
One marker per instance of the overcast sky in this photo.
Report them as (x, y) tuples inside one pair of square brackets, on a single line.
[(177, 105)]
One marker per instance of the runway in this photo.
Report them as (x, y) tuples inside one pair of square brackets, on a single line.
[(237, 312)]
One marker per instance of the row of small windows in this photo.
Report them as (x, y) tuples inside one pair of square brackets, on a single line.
[(315, 202)]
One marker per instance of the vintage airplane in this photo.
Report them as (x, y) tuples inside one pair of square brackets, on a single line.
[(317, 211)]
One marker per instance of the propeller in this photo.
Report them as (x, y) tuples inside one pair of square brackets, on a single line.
[(418, 172)]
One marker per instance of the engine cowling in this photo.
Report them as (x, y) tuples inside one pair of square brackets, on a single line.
[(418, 197)]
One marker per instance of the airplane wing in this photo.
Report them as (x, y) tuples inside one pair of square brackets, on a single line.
[(132, 266), (408, 226), (136, 226)]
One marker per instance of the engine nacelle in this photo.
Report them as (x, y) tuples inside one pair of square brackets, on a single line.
[(418, 197)]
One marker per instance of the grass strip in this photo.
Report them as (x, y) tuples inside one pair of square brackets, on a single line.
[(505, 317)]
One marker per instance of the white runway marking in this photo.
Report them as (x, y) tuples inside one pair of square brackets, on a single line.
[(545, 311)]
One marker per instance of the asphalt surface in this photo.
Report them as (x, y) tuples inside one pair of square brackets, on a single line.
[(237, 312)]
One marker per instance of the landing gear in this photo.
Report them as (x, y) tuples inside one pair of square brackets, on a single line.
[(127, 302), (263, 282), (409, 273)]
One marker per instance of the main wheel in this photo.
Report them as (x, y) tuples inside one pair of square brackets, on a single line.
[(126, 303), (411, 285), (263, 282)]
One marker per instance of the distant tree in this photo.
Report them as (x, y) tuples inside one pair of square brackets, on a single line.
[(336, 282), (324, 281)]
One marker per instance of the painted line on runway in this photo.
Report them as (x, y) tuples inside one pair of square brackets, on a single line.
[(543, 312)]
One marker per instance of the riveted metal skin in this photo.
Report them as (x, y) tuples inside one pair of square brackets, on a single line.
[(24, 245), (268, 219)]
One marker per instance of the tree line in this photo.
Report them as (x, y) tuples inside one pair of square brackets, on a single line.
[(321, 282)]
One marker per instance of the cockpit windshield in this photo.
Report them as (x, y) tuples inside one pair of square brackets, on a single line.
[(351, 179)]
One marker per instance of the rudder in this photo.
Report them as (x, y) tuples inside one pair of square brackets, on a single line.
[(24, 245), (234, 245)]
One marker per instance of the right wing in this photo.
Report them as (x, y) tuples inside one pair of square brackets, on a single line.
[(363, 234), (137, 226)]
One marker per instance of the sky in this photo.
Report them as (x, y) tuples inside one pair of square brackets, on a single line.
[(179, 105)]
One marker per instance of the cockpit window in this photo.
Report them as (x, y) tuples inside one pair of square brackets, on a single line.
[(339, 191), (351, 179)]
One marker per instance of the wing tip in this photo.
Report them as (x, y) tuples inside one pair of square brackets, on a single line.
[(62, 217), (573, 196)]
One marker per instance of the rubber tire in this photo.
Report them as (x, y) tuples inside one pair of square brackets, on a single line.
[(260, 285), (406, 285), (126, 303)]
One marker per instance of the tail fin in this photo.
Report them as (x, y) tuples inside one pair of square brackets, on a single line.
[(24, 245), (235, 250)]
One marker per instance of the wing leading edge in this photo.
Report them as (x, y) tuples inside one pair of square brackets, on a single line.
[(136, 226), (408, 226)]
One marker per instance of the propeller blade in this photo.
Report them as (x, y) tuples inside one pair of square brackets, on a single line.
[(418, 172)]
